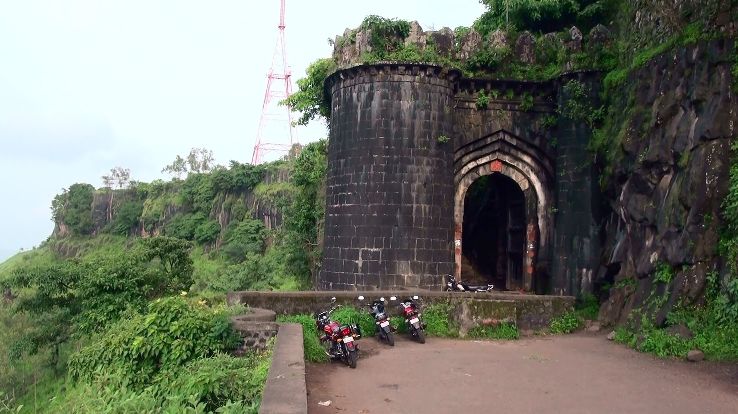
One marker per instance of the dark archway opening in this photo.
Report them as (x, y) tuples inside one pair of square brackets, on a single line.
[(493, 234)]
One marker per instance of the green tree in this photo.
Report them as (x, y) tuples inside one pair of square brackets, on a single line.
[(183, 226), (544, 15), (243, 238), (304, 218), (177, 168), (310, 99), (174, 271), (198, 192), (238, 177), (52, 306), (207, 232), (73, 208), (77, 297), (127, 217), (199, 160)]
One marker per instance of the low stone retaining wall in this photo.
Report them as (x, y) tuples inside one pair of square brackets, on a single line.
[(256, 328), (528, 312), (285, 391)]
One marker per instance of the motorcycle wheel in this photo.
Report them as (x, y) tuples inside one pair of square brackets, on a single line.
[(390, 339), (352, 356), (420, 335)]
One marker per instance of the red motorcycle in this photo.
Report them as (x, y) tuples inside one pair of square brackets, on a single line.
[(411, 315), (340, 338)]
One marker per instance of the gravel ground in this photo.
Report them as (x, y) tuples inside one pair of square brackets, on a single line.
[(578, 373)]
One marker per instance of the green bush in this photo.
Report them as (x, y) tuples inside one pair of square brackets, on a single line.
[(310, 100), (566, 323), (498, 331), (545, 16), (482, 100), (663, 344), (222, 378), (221, 384), (184, 226), (387, 35), (398, 323), (487, 59), (73, 207), (436, 316), (664, 274), (142, 347), (207, 232), (237, 177), (526, 102), (126, 217), (69, 299), (243, 238), (314, 351), (198, 192), (360, 317), (587, 307)]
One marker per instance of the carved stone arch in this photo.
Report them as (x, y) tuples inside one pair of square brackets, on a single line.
[(503, 153)]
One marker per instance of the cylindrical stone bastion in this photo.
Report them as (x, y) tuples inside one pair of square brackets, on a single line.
[(390, 190)]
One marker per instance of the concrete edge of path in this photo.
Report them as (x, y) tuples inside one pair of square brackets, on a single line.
[(285, 391)]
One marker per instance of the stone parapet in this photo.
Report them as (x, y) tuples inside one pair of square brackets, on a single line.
[(529, 312)]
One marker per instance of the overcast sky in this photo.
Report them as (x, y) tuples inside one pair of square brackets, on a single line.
[(86, 85)]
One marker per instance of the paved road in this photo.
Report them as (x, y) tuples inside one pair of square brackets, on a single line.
[(565, 374)]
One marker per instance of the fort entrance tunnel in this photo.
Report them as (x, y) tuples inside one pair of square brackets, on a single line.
[(424, 181), (493, 237)]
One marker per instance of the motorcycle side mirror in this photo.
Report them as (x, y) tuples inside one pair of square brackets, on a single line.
[(416, 297), (393, 297), (361, 298)]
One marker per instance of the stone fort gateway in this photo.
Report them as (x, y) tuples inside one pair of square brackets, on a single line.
[(424, 182)]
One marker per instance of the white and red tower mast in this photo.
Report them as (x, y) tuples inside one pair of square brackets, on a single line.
[(270, 111)]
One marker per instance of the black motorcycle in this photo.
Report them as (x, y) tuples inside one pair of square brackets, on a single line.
[(453, 286), (381, 320), (410, 311)]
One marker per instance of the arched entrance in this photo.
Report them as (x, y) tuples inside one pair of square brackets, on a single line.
[(509, 166), (494, 232)]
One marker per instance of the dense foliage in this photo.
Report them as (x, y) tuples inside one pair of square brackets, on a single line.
[(386, 42), (75, 297), (311, 99), (74, 208), (304, 218), (129, 345), (145, 348), (544, 15)]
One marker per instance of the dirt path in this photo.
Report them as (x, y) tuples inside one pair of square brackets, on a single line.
[(565, 374)]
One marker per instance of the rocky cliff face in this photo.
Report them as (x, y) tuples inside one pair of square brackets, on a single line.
[(669, 178), (656, 21), (160, 206)]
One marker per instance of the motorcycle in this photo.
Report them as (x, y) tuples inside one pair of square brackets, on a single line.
[(341, 338), (381, 320), (453, 285), (411, 315)]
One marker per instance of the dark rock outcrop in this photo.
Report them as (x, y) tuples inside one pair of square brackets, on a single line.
[(670, 179)]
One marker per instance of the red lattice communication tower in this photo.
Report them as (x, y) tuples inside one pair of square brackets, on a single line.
[(279, 87)]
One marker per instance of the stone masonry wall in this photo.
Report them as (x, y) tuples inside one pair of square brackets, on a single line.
[(577, 212), (389, 195)]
